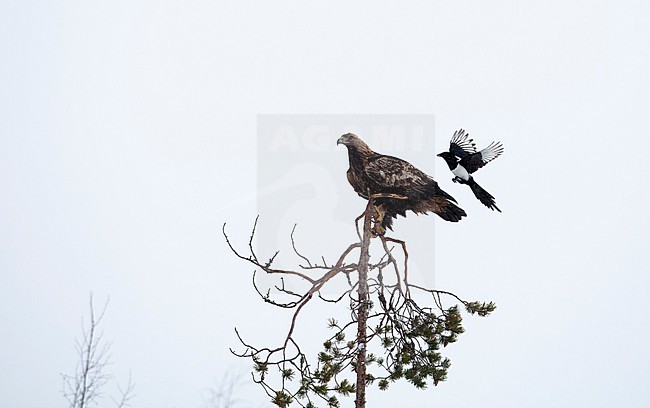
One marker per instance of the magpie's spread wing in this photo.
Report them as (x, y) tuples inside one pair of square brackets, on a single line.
[(393, 173), (477, 160), (461, 146)]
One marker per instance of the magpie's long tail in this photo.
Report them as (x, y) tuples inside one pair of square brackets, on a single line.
[(482, 195)]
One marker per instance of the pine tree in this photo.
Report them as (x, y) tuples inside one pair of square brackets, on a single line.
[(407, 336)]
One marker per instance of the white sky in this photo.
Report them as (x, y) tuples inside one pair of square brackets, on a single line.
[(128, 136)]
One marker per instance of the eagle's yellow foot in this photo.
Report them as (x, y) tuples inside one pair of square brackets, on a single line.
[(378, 229)]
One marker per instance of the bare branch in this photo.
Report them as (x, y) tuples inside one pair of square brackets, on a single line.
[(252, 258)]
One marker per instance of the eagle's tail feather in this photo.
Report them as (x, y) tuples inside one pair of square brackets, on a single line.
[(447, 210), (387, 221), (483, 196), (441, 192), (438, 201)]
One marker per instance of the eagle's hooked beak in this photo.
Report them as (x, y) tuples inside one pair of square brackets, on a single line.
[(340, 141)]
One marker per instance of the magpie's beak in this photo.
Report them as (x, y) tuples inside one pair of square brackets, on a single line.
[(439, 154)]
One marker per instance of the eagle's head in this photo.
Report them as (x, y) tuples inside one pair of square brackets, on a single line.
[(348, 139), (354, 144)]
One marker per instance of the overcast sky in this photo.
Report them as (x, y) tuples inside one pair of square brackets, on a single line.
[(128, 135)]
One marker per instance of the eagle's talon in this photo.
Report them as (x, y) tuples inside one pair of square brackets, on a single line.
[(377, 231)]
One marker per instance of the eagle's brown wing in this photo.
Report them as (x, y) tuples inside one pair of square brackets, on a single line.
[(397, 176), (392, 173)]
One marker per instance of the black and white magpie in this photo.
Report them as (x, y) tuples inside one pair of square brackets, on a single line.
[(463, 160)]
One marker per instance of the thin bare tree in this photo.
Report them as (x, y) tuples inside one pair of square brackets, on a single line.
[(406, 337), (85, 387)]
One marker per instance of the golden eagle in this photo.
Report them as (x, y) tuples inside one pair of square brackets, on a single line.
[(373, 173)]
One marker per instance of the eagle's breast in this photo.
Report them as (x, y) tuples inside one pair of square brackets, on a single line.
[(356, 181)]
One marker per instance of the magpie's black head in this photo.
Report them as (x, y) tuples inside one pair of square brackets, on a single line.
[(449, 158)]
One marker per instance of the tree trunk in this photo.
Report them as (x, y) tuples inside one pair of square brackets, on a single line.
[(362, 312)]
